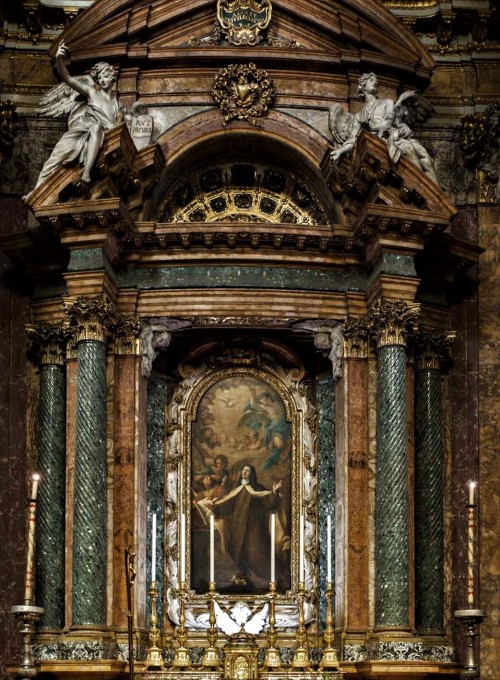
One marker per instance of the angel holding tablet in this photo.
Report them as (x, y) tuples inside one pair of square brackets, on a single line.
[(88, 120)]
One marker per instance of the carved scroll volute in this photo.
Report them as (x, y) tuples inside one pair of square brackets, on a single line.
[(391, 322)]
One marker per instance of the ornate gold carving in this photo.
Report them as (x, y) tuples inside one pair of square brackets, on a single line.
[(125, 334), (90, 318), (240, 657), (243, 91), (390, 322), (48, 343), (243, 21), (432, 348), (356, 338)]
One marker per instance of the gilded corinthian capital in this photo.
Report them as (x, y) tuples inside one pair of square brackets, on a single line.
[(391, 322), (356, 333), (47, 343), (90, 318), (432, 348)]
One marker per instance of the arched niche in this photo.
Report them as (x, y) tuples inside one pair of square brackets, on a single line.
[(231, 375)]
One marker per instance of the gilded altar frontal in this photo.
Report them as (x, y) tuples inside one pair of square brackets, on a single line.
[(249, 339)]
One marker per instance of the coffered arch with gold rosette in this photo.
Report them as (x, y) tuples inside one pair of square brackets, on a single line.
[(239, 249)]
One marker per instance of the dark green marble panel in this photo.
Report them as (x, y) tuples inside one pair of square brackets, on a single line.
[(157, 401), (391, 495), (397, 265), (51, 445), (89, 538), (429, 520), (282, 278), (325, 394)]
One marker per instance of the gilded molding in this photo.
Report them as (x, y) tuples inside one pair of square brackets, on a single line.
[(390, 322), (90, 318), (47, 343), (356, 333), (432, 348)]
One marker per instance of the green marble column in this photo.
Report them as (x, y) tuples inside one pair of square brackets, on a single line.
[(429, 471), (391, 489), (90, 508), (51, 449)]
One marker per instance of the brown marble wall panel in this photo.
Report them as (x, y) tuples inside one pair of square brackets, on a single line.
[(124, 480), (357, 480), (489, 423), (13, 482), (463, 391)]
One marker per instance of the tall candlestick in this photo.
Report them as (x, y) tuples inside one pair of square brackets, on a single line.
[(183, 549), (212, 542), (273, 542), (329, 549), (301, 550), (30, 557), (153, 548), (470, 543)]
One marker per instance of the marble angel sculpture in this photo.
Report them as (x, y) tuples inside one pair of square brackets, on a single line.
[(385, 118), (88, 120)]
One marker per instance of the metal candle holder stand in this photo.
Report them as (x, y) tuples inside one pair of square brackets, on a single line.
[(472, 619), (329, 658), (154, 658), (27, 615), (211, 657), (301, 653), (272, 659), (181, 655)]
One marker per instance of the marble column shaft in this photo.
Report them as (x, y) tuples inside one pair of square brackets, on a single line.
[(391, 496), (429, 520), (51, 444), (89, 539)]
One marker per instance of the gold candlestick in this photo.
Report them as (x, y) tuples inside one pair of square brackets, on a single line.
[(27, 616), (181, 656), (154, 658), (301, 654), (272, 659), (211, 658), (329, 658)]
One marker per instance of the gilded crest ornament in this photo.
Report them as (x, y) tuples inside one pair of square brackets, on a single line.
[(243, 91), (243, 20)]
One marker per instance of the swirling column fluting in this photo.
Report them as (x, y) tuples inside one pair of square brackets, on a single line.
[(90, 318), (429, 471), (49, 344), (390, 323)]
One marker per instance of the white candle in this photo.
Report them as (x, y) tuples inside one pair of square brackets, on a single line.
[(183, 549), (212, 542), (34, 487), (472, 493), (273, 541), (301, 550), (153, 548), (329, 549)]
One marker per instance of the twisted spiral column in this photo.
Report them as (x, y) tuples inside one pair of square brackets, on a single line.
[(90, 318), (391, 492), (429, 472), (51, 446), (392, 611), (89, 522)]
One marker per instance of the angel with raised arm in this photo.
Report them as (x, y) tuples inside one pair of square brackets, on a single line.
[(87, 121), (388, 120)]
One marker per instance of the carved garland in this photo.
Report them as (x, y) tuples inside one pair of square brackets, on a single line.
[(243, 91)]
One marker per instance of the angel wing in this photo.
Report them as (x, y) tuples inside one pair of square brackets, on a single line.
[(411, 109), (224, 621), (61, 99), (258, 621)]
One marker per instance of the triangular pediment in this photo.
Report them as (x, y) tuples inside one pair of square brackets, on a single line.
[(349, 34)]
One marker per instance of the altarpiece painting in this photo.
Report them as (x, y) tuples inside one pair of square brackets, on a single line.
[(240, 447)]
